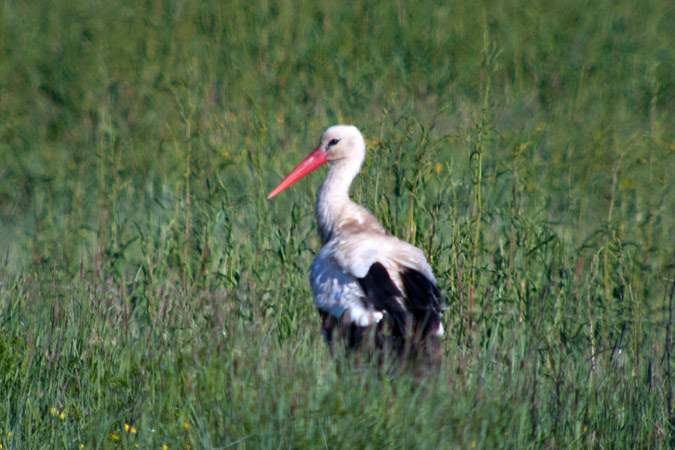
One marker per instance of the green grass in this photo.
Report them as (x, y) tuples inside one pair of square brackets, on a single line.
[(145, 282)]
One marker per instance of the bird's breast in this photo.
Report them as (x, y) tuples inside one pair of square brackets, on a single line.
[(339, 293)]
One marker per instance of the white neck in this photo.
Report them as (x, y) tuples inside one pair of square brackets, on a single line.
[(332, 200)]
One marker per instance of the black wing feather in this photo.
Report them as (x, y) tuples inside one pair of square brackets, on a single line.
[(382, 293), (422, 299)]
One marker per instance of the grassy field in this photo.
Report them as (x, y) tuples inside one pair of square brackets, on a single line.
[(151, 297)]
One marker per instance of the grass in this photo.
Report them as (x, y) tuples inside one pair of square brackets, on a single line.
[(151, 296)]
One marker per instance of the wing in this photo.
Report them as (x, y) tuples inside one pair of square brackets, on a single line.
[(356, 253), (361, 275), (383, 294), (419, 303)]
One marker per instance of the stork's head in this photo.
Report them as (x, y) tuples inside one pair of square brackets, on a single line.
[(342, 142), (338, 144)]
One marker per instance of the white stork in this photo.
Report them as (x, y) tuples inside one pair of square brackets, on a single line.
[(362, 274)]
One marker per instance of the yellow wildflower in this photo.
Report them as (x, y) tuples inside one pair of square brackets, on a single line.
[(133, 430), (114, 437), (185, 425), (53, 410), (126, 427), (164, 447), (62, 415)]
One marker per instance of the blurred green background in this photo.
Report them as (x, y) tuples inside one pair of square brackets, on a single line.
[(526, 147)]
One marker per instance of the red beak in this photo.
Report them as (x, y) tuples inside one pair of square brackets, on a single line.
[(313, 160)]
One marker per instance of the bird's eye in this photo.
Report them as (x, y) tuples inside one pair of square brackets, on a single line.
[(333, 142)]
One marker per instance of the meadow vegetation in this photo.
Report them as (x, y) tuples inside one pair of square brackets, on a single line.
[(151, 296)]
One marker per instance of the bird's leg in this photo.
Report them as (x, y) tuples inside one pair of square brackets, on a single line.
[(353, 335), (328, 324), (379, 336), (379, 345)]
